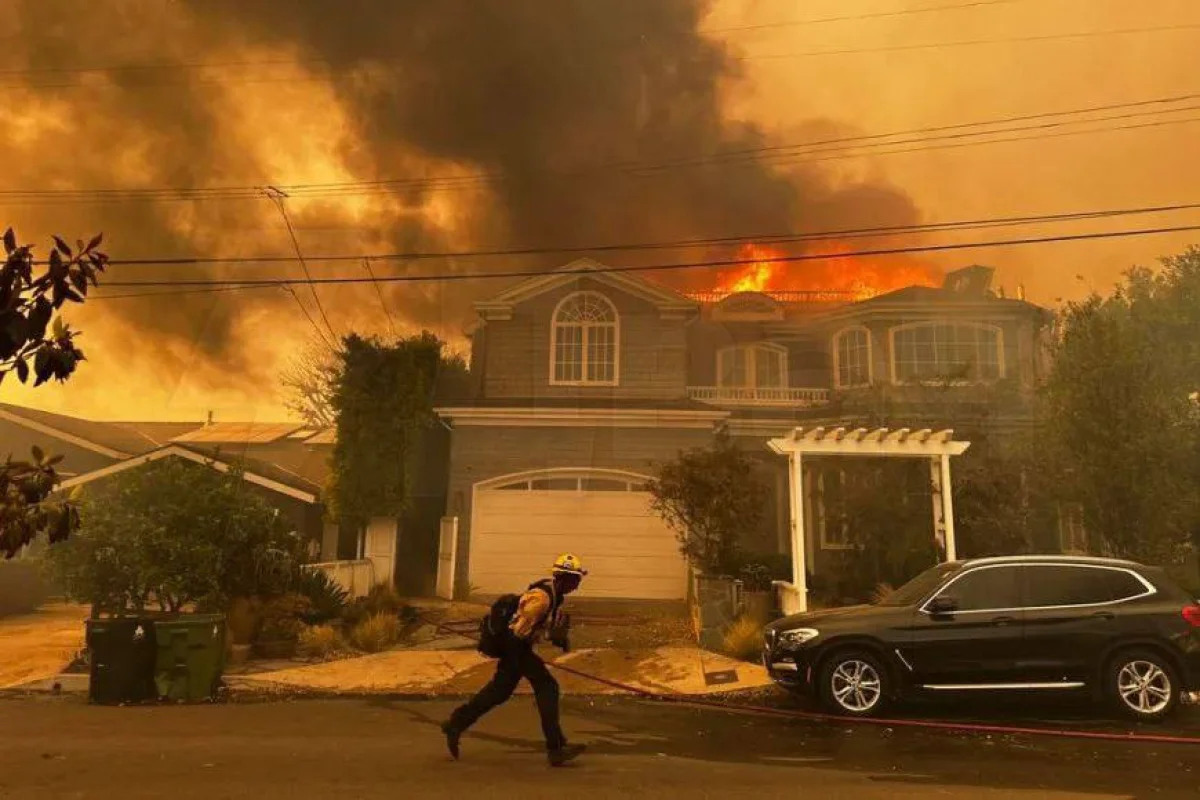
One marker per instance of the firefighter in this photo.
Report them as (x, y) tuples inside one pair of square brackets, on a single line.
[(524, 621)]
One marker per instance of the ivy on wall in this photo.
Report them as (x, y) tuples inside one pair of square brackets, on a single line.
[(383, 398)]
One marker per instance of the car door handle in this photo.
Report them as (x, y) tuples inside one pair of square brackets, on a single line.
[(1001, 621), (1103, 615)]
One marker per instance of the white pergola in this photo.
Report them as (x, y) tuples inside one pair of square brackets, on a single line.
[(936, 446)]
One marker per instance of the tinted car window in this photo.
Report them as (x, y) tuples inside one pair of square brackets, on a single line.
[(912, 592), (1064, 585), (984, 589)]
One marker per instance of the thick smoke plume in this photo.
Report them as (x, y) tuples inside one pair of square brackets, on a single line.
[(549, 98)]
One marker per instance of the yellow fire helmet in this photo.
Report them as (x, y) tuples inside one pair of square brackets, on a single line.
[(569, 564)]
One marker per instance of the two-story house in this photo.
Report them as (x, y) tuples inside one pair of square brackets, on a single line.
[(584, 380)]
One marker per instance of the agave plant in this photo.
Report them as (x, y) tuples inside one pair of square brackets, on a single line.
[(326, 595)]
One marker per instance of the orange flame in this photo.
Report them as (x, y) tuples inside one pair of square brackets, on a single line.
[(859, 277)]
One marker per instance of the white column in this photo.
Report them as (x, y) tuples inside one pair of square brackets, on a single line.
[(939, 509), (799, 551), (948, 509)]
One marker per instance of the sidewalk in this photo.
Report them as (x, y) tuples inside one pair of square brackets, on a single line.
[(669, 670), (38, 646), (647, 653)]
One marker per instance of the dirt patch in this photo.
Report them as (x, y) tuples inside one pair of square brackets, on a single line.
[(40, 645)]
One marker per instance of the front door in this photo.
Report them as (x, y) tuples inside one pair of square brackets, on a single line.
[(977, 639)]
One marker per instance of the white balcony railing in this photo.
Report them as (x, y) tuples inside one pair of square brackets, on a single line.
[(782, 398)]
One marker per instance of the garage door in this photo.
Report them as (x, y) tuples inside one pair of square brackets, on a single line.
[(519, 526)]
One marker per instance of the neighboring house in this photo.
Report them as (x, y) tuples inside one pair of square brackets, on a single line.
[(284, 463), (584, 382), (287, 464)]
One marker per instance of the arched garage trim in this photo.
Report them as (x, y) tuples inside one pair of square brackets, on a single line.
[(560, 474)]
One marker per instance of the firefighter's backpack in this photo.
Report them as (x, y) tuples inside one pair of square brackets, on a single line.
[(494, 625)]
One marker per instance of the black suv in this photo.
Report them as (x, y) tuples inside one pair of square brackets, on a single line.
[(1125, 632)]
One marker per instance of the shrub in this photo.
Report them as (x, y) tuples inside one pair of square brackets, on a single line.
[(383, 599), (321, 641), (881, 592), (744, 638), (283, 618), (175, 533), (326, 595), (712, 498), (244, 619), (376, 633), (355, 612)]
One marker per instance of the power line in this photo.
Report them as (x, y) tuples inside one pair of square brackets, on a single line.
[(169, 293), (715, 264), (379, 291), (746, 155), (838, 234), (242, 65), (975, 42), (857, 17), (763, 238), (278, 197)]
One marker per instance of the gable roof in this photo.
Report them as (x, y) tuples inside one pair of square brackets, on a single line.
[(262, 473), (110, 439), (667, 301)]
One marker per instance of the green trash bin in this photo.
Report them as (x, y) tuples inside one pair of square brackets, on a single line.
[(191, 656)]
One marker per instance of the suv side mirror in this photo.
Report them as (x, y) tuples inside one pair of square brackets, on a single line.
[(943, 605)]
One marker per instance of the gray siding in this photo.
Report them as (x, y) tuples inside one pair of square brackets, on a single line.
[(653, 351), (481, 453)]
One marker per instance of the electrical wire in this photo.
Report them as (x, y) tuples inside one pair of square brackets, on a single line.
[(800, 23), (838, 234), (249, 79), (833, 148), (717, 264)]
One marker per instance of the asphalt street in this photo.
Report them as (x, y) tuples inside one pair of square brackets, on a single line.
[(62, 748)]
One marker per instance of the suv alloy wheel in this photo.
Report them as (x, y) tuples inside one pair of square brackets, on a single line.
[(853, 683), (1142, 685)]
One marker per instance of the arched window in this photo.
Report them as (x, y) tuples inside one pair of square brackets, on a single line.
[(937, 351), (584, 341), (852, 358), (759, 366)]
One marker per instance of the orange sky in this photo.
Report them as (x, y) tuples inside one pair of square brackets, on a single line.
[(783, 91)]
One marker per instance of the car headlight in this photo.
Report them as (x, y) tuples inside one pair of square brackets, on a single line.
[(798, 636)]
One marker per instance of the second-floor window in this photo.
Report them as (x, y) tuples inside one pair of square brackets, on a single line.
[(759, 366), (931, 351), (852, 358), (584, 341)]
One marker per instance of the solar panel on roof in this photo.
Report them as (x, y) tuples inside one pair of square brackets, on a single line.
[(239, 433)]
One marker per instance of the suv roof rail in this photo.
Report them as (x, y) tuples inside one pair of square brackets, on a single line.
[(1067, 559)]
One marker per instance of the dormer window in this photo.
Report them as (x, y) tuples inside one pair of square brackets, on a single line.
[(852, 358), (584, 341), (759, 366)]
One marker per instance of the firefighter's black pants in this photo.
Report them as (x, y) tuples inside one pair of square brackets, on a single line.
[(519, 661)]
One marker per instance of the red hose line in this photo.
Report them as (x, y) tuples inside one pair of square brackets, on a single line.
[(939, 725)]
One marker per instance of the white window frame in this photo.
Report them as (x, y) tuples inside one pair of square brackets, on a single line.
[(752, 364), (523, 481), (585, 328), (837, 359), (999, 331)]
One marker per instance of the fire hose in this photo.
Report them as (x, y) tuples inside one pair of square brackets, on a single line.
[(816, 716)]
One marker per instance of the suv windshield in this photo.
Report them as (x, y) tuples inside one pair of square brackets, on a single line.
[(916, 589)]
